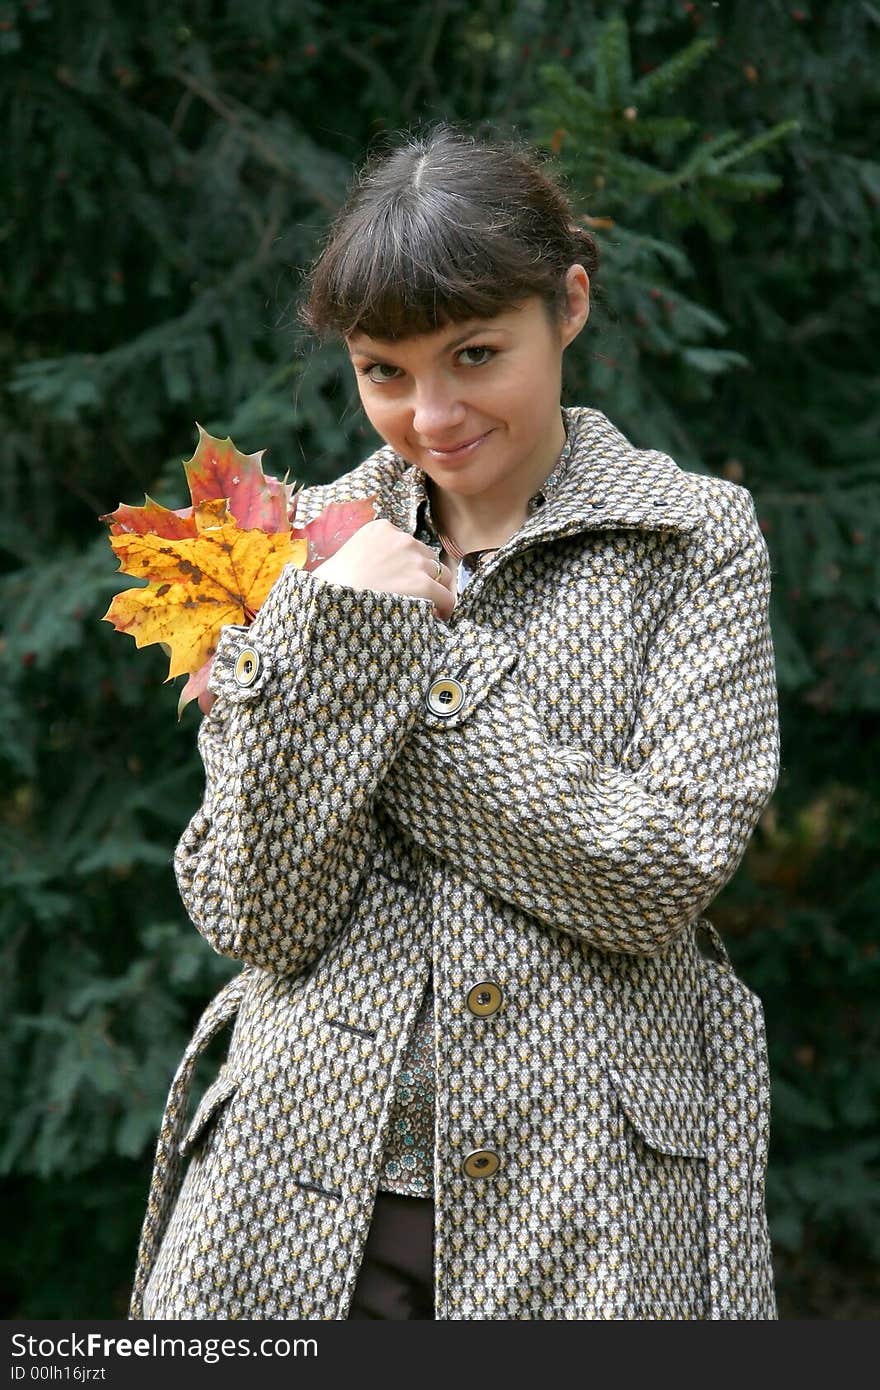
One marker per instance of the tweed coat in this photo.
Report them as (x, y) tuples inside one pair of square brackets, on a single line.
[(541, 796)]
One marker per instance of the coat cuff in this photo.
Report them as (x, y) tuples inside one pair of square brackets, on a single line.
[(468, 658), (250, 658)]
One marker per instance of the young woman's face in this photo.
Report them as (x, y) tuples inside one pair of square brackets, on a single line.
[(475, 405)]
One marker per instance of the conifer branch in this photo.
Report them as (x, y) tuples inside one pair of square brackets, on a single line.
[(242, 120)]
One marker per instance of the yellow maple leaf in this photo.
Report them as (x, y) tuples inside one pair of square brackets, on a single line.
[(198, 584)]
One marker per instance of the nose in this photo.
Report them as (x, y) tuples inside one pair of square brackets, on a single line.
[(437, 409)]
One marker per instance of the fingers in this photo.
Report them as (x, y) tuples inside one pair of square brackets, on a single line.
[(439, 572), (442, 594)]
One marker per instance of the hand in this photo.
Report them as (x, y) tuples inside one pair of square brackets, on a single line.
[(379, 556)]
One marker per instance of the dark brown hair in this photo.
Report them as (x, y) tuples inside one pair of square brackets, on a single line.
[(442, 228)]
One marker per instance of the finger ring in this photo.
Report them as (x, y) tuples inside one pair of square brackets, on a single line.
[(439, 568)]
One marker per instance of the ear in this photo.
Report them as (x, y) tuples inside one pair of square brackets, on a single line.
[(577, 290)]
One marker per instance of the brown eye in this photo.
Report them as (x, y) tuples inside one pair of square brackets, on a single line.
[(481, 354)]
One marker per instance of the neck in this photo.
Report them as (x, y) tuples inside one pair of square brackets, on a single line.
[(489, 518)]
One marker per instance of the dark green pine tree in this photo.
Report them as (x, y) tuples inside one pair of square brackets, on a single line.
[(167, 173)]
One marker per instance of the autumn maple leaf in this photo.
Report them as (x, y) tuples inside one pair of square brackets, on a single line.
[(214, 562)]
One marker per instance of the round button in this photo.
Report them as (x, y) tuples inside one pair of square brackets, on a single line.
[(484, 998), (247, 666), (446, 696), (482, 1163)]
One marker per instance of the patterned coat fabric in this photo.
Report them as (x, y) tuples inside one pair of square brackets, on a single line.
[(552, 830)]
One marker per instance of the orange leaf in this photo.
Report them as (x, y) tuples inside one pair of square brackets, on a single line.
[(217, 469), (152, 517)]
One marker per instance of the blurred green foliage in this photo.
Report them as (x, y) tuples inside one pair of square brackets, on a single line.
[(167, 173)]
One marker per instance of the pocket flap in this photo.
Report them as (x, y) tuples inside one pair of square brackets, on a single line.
[(667, 1107), (224, 1086)]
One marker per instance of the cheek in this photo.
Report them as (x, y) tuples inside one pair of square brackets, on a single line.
[(380, 412), (527, 390), (391, 421)]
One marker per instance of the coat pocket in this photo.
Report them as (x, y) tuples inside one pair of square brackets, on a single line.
[(215, 1098), (667, 1108), (663, 1181)]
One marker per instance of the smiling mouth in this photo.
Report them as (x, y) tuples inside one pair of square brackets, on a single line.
[(459, 449)]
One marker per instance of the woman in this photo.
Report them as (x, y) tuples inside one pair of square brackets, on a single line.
[(470, 786)]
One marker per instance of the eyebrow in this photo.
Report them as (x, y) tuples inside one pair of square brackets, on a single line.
[(392, 343)]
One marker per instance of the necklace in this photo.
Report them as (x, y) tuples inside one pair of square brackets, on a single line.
[(456, 552), (467, 563)]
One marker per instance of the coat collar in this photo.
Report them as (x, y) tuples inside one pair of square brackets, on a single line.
[(600, 482)]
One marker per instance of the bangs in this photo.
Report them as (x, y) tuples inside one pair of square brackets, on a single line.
[(404, 274), (441, 230)]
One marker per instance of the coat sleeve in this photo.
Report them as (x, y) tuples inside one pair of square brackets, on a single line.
[(623, 856), (313, 701)]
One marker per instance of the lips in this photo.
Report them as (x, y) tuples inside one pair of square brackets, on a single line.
[(457, 450)]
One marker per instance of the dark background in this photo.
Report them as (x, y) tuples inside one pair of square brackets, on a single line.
[(167, 171)]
